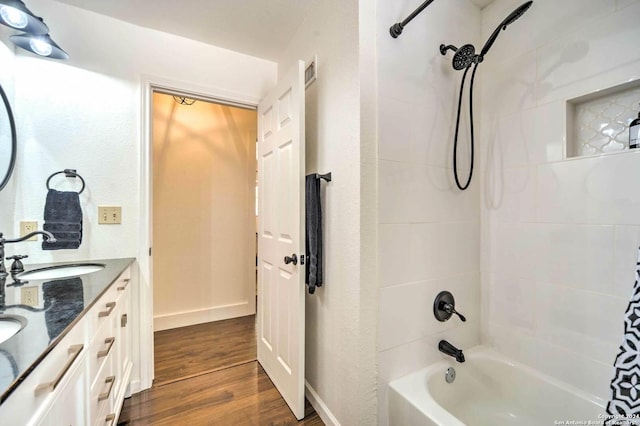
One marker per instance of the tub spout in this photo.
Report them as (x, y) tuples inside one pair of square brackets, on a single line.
[(448, 349)]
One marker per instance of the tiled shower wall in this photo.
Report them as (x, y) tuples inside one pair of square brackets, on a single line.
[(559, 237), (429, 232)]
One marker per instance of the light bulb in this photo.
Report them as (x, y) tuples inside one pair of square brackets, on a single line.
[(40, 47), (14, 17)]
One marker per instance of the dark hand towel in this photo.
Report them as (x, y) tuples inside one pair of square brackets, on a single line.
[(62, 207), (62, 227), (313, 234), (63, 218)]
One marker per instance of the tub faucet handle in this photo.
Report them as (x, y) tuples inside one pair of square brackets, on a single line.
[(450, 309), (445, 306)]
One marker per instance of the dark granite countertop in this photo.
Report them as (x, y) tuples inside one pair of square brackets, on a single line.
[(61, 303)]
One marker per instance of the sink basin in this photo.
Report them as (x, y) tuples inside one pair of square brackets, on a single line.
[(10, 325), (61, 271)]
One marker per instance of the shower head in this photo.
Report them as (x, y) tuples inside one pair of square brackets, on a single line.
[(464, 57), (513, 16)]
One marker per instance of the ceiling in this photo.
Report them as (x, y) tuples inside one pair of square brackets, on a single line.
[(255, 27)]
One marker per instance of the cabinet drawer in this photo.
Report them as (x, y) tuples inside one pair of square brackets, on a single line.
[(34, 396), (103, 390), (102, 346), (102, 311)]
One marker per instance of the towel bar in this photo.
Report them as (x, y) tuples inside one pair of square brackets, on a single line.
[(326, 176), (70, 173)]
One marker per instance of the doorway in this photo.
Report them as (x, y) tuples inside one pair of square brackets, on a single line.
[(204, 228)]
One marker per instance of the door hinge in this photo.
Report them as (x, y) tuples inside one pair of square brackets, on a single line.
[(149, 251), (123, 320)]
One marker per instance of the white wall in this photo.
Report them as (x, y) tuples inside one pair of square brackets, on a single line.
[(429, 231), (204, 220), (85, 113), (559, 236), (340, 342), (7, 73)]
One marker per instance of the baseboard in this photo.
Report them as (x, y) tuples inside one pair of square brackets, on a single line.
[(134, 387), (183, 319), (318, 404)]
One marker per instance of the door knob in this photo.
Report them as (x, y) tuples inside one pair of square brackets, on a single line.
[(292, 259)]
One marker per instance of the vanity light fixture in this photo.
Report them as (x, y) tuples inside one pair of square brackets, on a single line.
[(41, 45), (14, 14)]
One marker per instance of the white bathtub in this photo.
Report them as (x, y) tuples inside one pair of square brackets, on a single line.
[(490, 390)]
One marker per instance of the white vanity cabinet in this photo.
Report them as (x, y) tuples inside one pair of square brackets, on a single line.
[(68, 407), (84, 379), (39, 394), (110, 357)]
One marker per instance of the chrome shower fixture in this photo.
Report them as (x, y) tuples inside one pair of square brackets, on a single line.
[(463, 58)]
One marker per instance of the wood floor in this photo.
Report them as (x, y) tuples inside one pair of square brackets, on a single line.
[(208, 375), (203, 348)]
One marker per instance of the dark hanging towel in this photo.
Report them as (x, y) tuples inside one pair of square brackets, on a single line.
[(63, 218), (625, 400), (313, 234)]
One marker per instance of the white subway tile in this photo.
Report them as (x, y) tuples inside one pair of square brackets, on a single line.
[(624, 3), (402, 360), (510, 302), (511, 195), (394, 130), (571, 367), (419, 252), (543, 22), (579, 256), (590, 190), (581, 321), (627, 242), (588, 52), (418, 193), (512, 85), (517, 249)]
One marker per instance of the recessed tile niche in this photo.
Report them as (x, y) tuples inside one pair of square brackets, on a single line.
[(598, 123)]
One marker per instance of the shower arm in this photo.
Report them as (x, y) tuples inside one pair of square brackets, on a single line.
[(396, 29)]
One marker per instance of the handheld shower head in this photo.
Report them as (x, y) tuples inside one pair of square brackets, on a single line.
[(513, 16)]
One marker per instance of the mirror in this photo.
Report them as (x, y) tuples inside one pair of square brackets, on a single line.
[(8, 141)]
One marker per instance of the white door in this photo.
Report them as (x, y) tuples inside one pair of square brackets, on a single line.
[(281, 287)]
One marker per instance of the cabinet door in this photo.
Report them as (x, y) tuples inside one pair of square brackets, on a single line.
[(69, 407), (72, 403), (123, 328)]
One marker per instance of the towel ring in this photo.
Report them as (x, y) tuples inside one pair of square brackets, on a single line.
[(68, 173)]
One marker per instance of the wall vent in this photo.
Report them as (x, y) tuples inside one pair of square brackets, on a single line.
[(311, 72)]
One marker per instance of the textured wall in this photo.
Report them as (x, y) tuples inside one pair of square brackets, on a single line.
[(204, 168), (559, 235), (337, 368), (429, 231), (7, 71), (85, 113)]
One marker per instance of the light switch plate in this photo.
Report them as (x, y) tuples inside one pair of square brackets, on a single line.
[(109, 215), (27, 227)]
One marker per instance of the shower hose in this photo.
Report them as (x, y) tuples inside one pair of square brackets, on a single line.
[(455, 138)]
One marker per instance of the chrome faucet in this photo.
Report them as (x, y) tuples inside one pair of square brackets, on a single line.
[(448, 349), (48, 236)]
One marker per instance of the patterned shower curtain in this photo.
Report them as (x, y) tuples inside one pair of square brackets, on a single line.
[(624, 405)]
